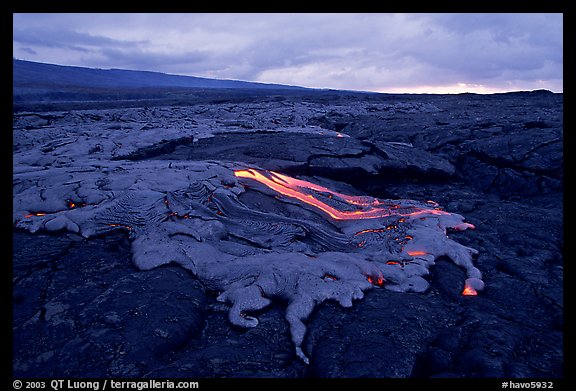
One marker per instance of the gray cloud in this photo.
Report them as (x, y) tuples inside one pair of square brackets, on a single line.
[(141, 59), (486, 44), (54, 36), (29, 51), (348, 51)]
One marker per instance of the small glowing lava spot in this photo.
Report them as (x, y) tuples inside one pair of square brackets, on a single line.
[(71, 204), (175, 214), (330, 277), (35, 214), (365, 231), (416, 253), (392, 263), (121, 226), (469, 291), (464, 226), (375, 281)]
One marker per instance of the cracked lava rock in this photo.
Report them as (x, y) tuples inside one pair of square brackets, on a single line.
[(125, 231)]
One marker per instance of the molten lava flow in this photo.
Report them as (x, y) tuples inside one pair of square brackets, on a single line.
[(378, 281), (71, 204), (369, 208), (469, 291), (416, 253), (365, 231), (35, 214)]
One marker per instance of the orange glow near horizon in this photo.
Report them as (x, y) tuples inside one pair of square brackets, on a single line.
[(457, 88), (369, 207)]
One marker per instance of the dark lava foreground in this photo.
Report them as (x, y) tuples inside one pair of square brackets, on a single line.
[(82, 309)]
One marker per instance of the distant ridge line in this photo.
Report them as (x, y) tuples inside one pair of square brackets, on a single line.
[(33, 74)]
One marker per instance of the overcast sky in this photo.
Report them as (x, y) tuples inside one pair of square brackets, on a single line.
[(439, 53)]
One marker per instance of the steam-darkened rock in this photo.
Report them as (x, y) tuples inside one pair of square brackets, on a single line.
[(329, 155)]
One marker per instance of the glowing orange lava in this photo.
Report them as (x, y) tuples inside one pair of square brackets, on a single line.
[(34, 214), (469, 291), (369, 208), (71, 204), (365, 231), (416, 253), (375, 281)]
